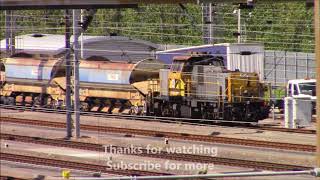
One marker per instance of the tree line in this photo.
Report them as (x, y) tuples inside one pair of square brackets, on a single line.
[(280, 26)]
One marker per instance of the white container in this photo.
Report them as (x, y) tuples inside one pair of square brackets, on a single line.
[(298, 112)]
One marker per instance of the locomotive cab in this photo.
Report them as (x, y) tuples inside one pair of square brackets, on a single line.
[(180, 75), (176, 80)]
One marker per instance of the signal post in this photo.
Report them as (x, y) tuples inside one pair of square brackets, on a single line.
[(317, 51)]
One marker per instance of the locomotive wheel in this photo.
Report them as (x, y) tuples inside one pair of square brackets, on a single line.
[(176, 113), (38, 101), (165, 112), (253, 117), (204, 116)]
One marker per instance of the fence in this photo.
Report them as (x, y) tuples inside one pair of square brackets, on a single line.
[(281, 66)]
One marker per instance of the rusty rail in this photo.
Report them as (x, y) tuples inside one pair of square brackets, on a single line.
[(11, 178), (172, 120), (173, 135), (74, 165)]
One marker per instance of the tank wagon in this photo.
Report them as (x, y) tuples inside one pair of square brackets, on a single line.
[(195, 86), (199, 86)]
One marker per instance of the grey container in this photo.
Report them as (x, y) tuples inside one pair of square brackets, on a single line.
[(164, 75)]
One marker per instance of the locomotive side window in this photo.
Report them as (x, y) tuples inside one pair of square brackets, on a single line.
[(295, 90), (218, 63), (177, 66), (289, 90)]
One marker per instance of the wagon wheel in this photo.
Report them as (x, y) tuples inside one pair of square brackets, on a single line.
[(2, 99), (11, 101), (84, 106), (36, 101), (53, 104)]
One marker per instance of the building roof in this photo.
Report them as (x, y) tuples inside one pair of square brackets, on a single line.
[(185, 48), (53, 44), (240, 44), (207, 47)]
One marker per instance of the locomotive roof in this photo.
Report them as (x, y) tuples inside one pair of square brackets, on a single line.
[(188, 57)]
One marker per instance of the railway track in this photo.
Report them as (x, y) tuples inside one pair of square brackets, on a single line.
[(214, 122), (75, 165), (173, 120), (270, 128), (172, 135), (161, 155), (10, 178)]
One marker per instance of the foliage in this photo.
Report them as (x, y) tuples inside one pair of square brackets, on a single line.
[(280, 26)]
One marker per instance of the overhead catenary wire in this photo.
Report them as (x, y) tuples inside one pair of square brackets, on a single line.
[(168, 34), (50, 48), (161, 34)]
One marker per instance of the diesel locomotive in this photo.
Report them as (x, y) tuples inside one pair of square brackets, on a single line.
[(199, 86), (193, 86)]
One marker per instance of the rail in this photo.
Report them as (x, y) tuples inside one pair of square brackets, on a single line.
[(74, 165), (172, 135), (206, 122)]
